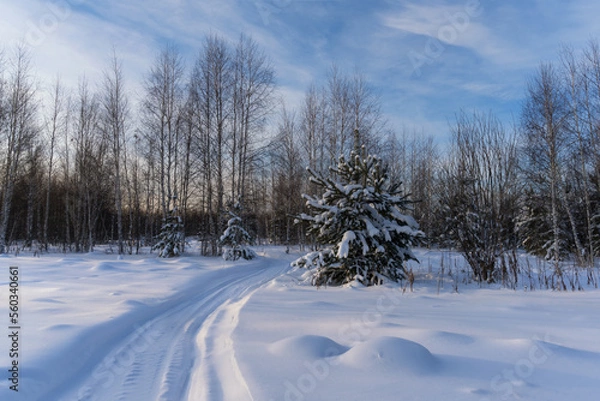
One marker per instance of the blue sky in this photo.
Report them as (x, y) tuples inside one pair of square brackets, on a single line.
[(426, 59)]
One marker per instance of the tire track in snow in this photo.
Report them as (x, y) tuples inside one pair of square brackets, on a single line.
[(155, 361), (217, 376)]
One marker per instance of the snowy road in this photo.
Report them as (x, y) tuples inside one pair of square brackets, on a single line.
[(178, 349)]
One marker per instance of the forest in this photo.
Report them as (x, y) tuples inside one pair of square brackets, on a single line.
[(98, 164)]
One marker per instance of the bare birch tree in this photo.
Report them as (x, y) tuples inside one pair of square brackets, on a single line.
[(341, 125), (54, 124), (161, 110), (545, 117), (313, 126), (253, 86), (211, 86), (115, 109), (286, 197), (577, 185), (89, 176)]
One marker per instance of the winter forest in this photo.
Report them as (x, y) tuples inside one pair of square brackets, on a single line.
[(99, 164)]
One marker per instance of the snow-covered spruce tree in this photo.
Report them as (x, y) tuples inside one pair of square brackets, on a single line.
[(235, 239), (171, 236), (360, 222)]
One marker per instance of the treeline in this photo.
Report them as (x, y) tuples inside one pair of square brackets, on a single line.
[(95, 164)]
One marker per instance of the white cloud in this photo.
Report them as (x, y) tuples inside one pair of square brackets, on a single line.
[(492, 90), (460, 25)]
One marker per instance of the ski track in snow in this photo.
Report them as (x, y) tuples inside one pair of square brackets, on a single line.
[(161, 347), (217, 375)]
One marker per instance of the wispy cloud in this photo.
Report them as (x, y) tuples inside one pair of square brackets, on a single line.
[(460, 25), (485, 49)]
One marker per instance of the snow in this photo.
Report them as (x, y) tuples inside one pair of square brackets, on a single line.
[(344, 245), (96, 327), (307, 347), (370, 228), (391, 354)]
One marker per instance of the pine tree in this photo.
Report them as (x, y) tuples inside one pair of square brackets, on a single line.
[(360, 221), (535, 229), (235, 239), (171, 236)]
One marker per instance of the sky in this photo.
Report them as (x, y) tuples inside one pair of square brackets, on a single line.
[(427, 60)]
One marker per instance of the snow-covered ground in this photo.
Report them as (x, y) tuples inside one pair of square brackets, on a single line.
[(96, 327)]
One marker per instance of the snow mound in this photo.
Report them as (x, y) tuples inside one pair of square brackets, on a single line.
[(451, 338), (105, 267), (391, 354), (561, 351), (307, 347)]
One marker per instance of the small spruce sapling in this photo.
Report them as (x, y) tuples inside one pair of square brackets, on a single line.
[(235, 239), (171, 236)]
